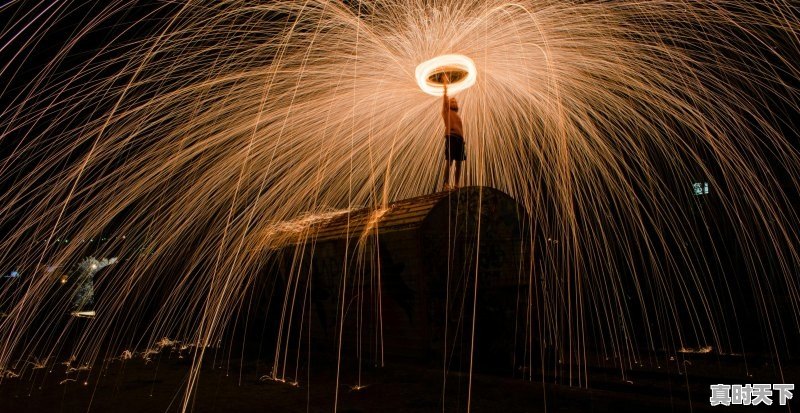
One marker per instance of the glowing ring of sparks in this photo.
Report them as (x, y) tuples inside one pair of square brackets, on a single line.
[(460, 66)]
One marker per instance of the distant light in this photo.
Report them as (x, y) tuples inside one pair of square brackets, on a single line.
[(461, 68), (84, 314), (13, 274), (700, 188)]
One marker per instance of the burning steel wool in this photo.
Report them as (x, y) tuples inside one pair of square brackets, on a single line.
[(196, 134), (459, 69)]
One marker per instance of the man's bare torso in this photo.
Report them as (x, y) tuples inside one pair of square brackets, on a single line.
[(452, 123)]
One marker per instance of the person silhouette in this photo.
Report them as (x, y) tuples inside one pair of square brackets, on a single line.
[(454, 143)]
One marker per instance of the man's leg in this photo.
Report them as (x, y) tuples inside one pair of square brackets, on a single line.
[(446, 174), (458, 174)]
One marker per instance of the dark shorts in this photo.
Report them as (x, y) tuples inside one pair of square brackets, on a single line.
[(454, 147)]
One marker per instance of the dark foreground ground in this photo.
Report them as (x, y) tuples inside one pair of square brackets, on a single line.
[(133, 386)]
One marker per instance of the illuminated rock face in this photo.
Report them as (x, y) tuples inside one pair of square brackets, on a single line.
[(84, 298), (411, 272)]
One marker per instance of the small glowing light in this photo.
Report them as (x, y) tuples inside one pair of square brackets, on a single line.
[(84, 314), (460, 70), (699, 350), (700, 188)]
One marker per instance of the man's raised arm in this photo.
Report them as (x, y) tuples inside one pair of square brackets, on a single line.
[(445, 99)]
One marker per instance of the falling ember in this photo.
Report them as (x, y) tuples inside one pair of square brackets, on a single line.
[(7, 374), (699, 350)]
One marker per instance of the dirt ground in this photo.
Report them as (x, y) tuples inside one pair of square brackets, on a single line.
[(136, 386)]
